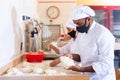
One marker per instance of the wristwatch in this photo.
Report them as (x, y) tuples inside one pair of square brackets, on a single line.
[(53, 12)]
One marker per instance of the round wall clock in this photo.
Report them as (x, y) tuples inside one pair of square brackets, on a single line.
[(53, 12)]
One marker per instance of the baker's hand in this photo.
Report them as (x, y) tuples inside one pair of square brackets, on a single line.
[(74, 68), (54, 62), (68, 55)]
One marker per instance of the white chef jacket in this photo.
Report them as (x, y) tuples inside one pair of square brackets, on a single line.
[(70, 47), (96, 49)]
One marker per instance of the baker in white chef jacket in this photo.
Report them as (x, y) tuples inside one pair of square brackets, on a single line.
[(95, 46), (71, 45)]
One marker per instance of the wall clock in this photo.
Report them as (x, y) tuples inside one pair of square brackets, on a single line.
[(53, 12)]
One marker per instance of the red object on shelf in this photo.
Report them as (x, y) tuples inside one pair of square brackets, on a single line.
[(63, 35), (34, 56)]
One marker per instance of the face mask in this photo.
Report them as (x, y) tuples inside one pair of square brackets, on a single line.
[(72, 33), (82, 28)]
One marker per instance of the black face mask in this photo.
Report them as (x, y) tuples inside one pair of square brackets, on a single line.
[(82, 28), (72, 33)]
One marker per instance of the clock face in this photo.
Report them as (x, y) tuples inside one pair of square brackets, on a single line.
[(53, 12)]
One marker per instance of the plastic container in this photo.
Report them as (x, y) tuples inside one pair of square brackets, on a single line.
[(34, 56)]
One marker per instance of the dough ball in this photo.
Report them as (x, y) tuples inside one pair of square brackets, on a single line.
[(38, 70), (11, 72), (50, 72), (66, 62), (14, 71), (27, 69)]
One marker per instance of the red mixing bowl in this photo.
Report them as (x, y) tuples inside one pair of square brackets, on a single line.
[(34, 56)]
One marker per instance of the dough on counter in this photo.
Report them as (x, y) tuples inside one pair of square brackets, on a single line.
[(27, 69), (50, 72), (11, 72), (14, 71), (38, 70), (66, 62)]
